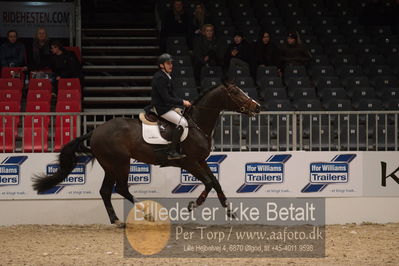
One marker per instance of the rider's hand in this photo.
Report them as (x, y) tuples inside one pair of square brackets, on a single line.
[(186, 103)]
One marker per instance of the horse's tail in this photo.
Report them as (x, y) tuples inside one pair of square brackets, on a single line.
[(67, 160)]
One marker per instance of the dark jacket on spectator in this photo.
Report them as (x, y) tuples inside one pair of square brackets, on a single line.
[(212, 48), (12, 53), (266, 54), (177, 24), (244, 51), (41, 56), (294, 54), (66, 65)]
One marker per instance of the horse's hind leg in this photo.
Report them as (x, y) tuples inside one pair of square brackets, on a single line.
[(106, 192), (122, 187)]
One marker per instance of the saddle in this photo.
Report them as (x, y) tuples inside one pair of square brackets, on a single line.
[(164, 126), (157, 130)]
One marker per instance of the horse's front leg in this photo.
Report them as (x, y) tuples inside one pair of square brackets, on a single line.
[(218, 188), (200, 173)]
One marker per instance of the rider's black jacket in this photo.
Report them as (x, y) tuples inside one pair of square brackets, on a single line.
[(163, 97)]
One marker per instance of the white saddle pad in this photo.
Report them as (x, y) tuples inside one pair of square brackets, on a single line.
[(151, 135)]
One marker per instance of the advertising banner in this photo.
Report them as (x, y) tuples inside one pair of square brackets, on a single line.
[(382, 174), (244, 174), (84, 182), (26, 17)]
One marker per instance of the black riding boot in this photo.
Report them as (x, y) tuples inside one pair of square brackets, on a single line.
[(173, 154)]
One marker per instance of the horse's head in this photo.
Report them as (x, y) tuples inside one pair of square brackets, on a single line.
[(240, 102)]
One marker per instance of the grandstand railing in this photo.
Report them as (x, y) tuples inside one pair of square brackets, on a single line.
[(267, 131)]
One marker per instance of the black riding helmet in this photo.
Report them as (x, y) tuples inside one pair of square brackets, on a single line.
[(164, 58)]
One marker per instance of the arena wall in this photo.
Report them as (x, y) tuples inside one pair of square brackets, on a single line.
[(358, 186)]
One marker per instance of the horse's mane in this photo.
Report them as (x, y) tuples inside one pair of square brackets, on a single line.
[(204, 92)]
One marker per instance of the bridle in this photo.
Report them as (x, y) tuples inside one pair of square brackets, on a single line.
[(246, 106), (227, 90)]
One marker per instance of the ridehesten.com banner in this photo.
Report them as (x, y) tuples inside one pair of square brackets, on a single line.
[(244, 174), (26, 17)]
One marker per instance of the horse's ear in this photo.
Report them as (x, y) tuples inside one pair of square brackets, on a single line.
[(228, 80)]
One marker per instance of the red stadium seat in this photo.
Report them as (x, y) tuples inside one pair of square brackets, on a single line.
[(40, 84), (63, 136), (76, 50), (65, 121), (69, 84), (36, 126), (37, 121), (38, 106), (8, 126), (68, 95), (35, 139), (7, 138), (13, 72), (39, 96), (11, 84), (10, 95), (9, 107), (66, 126)]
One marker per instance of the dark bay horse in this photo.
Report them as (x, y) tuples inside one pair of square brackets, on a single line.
[(118, 140)]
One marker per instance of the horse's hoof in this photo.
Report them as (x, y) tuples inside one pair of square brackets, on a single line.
[(119, 224), (191, 206), (149, 217), (231, 214)]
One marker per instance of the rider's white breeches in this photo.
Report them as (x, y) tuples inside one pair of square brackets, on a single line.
[(175, 118)]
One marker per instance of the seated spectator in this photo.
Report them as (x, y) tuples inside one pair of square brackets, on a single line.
[(12, 52), (238, 52), (294, 52), (266, 52), (177, 23), (64, 63), (41, 56), (208, 50), (200, 18)]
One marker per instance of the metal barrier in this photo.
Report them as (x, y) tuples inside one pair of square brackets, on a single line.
[(267, 131), (37, 132)]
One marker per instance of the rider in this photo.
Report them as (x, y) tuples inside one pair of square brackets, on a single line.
[(164, 100)]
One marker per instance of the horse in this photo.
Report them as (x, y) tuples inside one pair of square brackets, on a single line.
[(116, 141)]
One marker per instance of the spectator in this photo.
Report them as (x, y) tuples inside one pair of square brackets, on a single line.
[(238, 52), (64, 63), (177, 23), (208, 50), (12, 52), (200, 18), (293, 52), (41, 56), (266, 52)]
